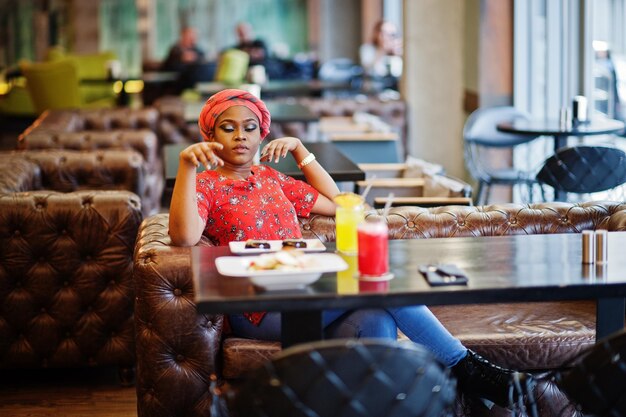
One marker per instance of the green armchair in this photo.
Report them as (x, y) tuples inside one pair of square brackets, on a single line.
[(95, 86), (16, 100), (70, 82)]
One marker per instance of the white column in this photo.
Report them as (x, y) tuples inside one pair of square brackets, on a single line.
[(433, 81)]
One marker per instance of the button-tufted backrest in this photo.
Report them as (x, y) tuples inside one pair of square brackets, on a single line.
[(120, 118), (500, 220), (495, 220), (98, 120), (67, 130), (95, 119), (142, 141), (66, 283), (67, 171), (177, 349)]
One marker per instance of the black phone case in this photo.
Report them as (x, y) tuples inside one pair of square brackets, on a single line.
[(439, 275)]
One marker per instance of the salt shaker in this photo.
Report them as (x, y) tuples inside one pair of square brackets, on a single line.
[(565, 118), (589, 247), (602, 245)]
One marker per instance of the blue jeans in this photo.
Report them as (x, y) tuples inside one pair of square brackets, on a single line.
[(417, 322)]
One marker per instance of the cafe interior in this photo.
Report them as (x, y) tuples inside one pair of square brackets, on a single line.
[(480, 171)]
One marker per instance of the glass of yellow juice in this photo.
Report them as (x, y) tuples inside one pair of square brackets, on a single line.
[(349, 213)]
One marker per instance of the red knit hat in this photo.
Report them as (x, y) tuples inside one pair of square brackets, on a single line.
[(219, 102)]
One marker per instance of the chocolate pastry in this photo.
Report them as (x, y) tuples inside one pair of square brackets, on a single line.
[(294, 243), (257, 244)]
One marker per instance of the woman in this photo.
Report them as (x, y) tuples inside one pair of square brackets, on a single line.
[(238, 200), (382, 57)]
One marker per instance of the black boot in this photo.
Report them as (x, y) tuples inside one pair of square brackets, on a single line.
[(478, 377)]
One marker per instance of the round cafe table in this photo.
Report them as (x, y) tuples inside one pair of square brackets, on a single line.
[(551, 127)]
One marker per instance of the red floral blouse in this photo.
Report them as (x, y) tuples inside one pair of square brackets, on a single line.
[(266, 205)]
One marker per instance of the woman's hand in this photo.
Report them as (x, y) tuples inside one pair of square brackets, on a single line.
[(202, 153), (278, 148)]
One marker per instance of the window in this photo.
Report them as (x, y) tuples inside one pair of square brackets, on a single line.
[(563, 48), (609, 47), (548, 70)]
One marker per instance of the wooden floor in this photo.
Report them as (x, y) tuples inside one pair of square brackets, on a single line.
[(66, 393)]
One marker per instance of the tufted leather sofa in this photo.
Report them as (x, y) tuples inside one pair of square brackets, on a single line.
[(105, 129), (178, 350), (68, 224)]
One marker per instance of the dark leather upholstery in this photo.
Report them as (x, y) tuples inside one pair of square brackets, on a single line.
[(95, 119), (104, 129), (68, 224), (177, 349), (172, 122)]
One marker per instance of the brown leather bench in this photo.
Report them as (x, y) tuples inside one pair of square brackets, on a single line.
[(178, 350), (69, 221), (105, 129)]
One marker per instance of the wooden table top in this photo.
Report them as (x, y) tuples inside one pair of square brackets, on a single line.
[(499, 269)]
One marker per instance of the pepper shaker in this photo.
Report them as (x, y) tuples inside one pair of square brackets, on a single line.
[(589, 246), (602, 241)]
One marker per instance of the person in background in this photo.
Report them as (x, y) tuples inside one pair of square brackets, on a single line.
[(184, 53), (381, 58), (607, 80), (235, 199), (247, 42)]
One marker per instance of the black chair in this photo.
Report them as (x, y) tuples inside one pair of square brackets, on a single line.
[(597, 380), (348, 378), (480, 134), (584, 169)]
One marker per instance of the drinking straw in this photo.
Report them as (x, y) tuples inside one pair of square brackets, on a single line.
[(368, 188), (388, 205)]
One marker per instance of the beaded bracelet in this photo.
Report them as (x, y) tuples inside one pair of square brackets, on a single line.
[(306, 161)]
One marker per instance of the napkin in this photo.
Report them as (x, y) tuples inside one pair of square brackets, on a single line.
[(442, 186), (374, 123), (416, 168)]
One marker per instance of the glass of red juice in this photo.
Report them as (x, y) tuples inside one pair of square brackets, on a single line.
[(373, 248)]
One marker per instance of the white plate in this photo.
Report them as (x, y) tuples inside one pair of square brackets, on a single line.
[(312, 245), (317, 264)]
